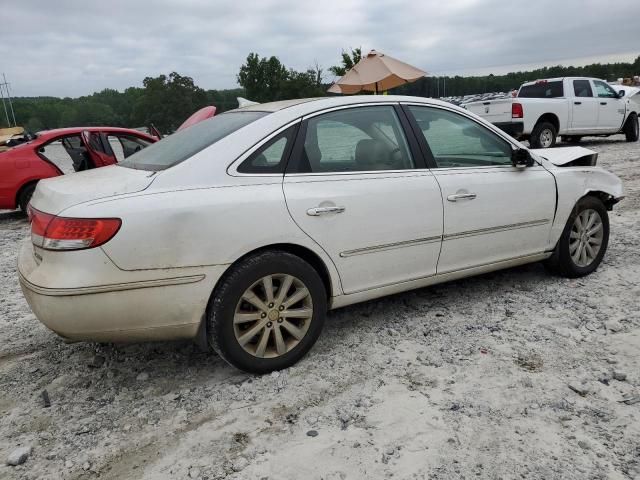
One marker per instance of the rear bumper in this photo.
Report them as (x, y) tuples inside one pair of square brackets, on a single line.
[(515, 129), (161, 307)]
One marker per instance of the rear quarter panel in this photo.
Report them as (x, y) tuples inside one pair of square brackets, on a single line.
[(200, 227), (534, 108), (19, 167)]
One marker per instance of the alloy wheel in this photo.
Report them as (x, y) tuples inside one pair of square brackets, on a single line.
[(546, 138), (273, 315), (585, 239)]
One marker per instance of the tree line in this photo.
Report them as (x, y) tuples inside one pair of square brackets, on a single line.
[(167, 100)]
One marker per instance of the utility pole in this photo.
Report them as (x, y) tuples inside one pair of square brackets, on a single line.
[(4, 87)]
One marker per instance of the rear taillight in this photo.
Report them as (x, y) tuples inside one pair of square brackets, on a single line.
[(62, 233), (516, 110)]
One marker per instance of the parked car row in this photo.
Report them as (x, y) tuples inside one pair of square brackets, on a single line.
[(572, 107), (242, 230)]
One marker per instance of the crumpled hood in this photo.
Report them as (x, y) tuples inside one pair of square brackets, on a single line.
[(562, 156), (56, 194)]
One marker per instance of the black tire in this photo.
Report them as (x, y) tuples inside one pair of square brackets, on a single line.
[(561, 262), (631, 129), (539, 132), (25, 197), (227, 295)]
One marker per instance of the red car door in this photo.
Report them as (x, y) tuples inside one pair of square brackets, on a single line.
[(99, 150)]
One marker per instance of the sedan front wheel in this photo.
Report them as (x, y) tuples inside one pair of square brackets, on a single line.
[(584, 240), (267, 312)]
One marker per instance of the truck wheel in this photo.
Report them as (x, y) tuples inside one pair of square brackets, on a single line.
[(543, 135), (631, 128)]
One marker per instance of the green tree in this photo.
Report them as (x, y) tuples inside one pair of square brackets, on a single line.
[(167, 101), (348, 62), (262, 78)]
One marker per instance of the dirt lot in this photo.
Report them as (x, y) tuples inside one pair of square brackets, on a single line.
[(516, 374)]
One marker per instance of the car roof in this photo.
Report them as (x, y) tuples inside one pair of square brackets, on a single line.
[(304, 106), (56, 132)]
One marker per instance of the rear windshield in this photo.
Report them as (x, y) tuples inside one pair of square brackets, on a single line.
[(542, 90), (181, 145)]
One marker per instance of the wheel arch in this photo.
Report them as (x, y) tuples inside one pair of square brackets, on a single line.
[(551, 118), (305, 253), (606, 198), (22, 188)]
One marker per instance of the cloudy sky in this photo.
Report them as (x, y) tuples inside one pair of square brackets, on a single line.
[(73, 48)]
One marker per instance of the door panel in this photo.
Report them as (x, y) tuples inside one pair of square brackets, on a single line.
[(509, 216), (97, 151), (389, 231), (611, 109), (584, 107)]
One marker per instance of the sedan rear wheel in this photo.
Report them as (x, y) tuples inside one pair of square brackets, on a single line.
[(267, 312)]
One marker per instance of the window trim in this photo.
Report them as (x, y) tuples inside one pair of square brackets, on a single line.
[(232, 169), (412, 143), (427, 150)]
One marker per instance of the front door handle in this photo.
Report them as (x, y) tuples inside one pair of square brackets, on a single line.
[(461, 196), (577, 103), (315, 212), (603, 103)]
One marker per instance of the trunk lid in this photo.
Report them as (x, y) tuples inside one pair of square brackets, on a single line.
[(494, 111), (56, 194)]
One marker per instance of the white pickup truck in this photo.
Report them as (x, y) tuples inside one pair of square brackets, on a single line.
[(572, 107)]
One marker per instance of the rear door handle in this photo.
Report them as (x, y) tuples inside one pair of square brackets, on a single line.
[(315, 212), (577, 103), (461, 196), (603, 103)]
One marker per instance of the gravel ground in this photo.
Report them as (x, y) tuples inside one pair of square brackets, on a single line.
[(515, 374)]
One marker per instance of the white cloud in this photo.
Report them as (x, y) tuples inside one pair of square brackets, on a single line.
[(68, 49)]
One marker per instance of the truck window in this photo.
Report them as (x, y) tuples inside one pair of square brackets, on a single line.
[(582, 88), (542, 90), (603, 90)]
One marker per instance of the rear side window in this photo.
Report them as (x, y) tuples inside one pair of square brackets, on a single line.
[(272, 156), (582, 88), (542, 90), (178, 147)]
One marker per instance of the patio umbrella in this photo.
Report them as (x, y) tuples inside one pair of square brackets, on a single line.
[(376, 72)]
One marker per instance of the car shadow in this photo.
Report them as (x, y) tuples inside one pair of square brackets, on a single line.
[(12, 215)]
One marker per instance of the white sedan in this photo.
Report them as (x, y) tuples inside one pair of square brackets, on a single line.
[(241, 231)]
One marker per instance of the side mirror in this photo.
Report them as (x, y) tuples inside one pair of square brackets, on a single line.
[(521, 158), (621, 94)]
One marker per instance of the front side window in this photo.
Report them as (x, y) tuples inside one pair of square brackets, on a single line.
[(457, 141), (179, 146), (603, 90), (355, 140), (582, 88)]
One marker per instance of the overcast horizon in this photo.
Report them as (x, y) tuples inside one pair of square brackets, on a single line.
[(65, 49)]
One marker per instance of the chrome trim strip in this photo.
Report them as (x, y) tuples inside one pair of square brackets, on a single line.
[(390, 246), (501, 228), (115, 287)]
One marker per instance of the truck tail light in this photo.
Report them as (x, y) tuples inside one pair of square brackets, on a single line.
[(61, 233), (516, 110)]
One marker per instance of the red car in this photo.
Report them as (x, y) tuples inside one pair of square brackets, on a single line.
[(61, 151)]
